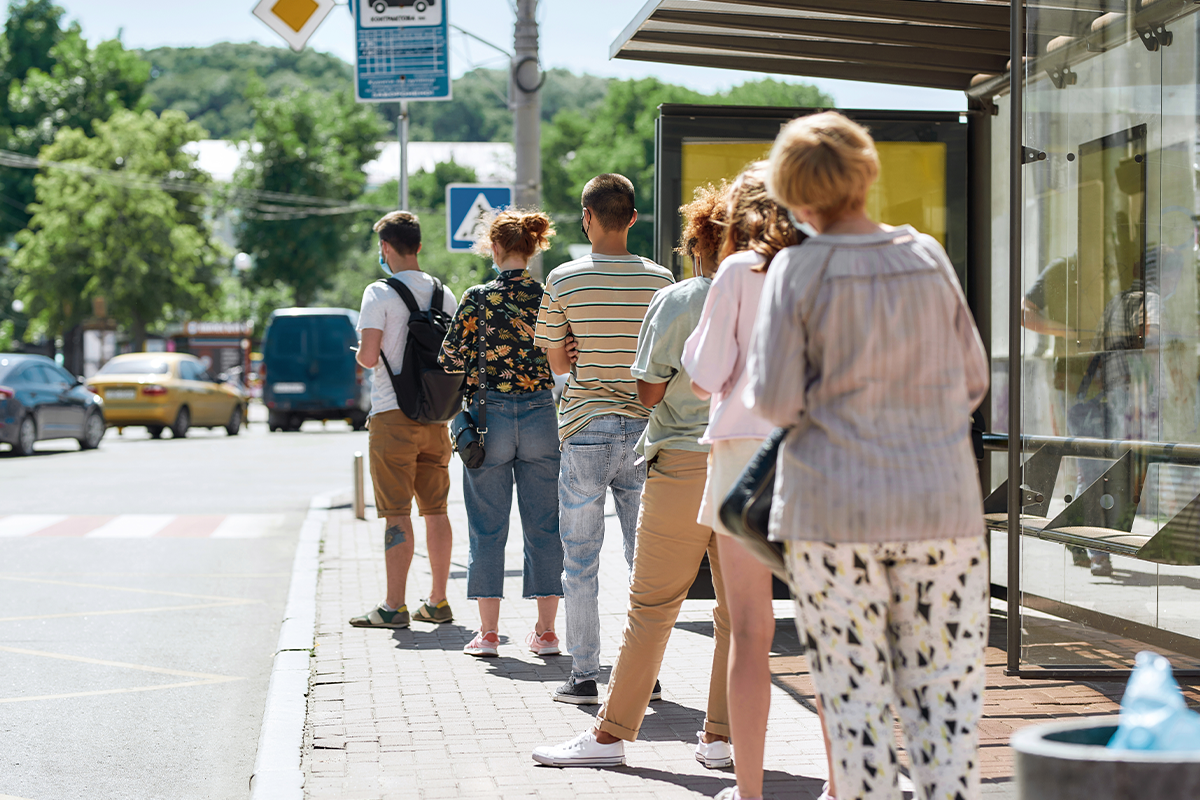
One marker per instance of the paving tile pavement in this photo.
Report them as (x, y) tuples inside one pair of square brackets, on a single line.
[(405, 714)]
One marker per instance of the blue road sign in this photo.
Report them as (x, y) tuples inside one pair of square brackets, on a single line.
[(403, 50), (468, 205)]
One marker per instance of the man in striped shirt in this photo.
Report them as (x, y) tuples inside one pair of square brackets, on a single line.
[(600, 300)]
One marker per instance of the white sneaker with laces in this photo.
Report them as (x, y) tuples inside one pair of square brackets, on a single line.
[(713, 755), (582, 751)]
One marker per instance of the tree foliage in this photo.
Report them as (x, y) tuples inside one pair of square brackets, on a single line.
[(53, 80), (304, 143), (211, 84), (145, 251)]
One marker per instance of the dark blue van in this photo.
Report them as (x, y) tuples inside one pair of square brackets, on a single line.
[(309, 371)]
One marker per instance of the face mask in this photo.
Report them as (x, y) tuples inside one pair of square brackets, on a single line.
[(496, 268), (585, 233), (384, 266), (803, 227)]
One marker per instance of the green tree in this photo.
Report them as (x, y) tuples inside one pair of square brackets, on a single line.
[(70, 85), (115, 235), (304, 143), (210, 84)]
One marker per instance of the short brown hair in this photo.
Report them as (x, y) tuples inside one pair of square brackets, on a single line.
[(825, 162), (520, 233), (610, 197), (754, 220), (703, 221), (400, 229)]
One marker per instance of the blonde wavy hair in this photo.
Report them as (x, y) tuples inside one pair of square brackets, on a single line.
[(755, 221), (824, 162)]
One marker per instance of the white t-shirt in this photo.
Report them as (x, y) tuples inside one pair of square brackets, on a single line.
[(384, 310)]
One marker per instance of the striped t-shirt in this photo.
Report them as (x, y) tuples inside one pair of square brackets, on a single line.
[(602, 301)]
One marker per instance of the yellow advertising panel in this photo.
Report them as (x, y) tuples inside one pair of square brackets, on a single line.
[(911, 189)]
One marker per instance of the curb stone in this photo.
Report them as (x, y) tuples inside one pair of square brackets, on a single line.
[(277, 767)]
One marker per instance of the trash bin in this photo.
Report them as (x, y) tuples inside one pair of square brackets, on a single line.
[(1069, 761)]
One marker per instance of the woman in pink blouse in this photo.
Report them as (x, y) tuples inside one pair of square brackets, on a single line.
[(865, 347), (715, 358)]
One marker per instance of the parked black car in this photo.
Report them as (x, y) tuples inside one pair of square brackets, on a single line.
[(41, 400)]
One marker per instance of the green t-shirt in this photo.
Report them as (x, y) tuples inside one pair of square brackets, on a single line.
[(679, 420)]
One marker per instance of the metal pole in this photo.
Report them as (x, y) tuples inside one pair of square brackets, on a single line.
[(360, 503), (402, 132), (526, 102), (1016, 196)]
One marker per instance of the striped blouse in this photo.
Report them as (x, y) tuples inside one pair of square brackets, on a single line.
[(602, 301), (866, 345)]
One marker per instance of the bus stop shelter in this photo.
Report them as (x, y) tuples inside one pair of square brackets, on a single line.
[(1067, 198)]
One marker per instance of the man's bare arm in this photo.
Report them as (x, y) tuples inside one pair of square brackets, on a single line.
[(1033, 319), (368, 347), (650, 394)]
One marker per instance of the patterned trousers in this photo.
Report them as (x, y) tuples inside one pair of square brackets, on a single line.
[(900, 625)]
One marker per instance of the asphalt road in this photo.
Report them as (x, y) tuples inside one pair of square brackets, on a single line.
[(141, 591)]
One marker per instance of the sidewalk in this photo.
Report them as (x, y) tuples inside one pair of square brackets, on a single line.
[(404, 714)]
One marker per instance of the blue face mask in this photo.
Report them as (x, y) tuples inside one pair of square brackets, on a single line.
[(496, 268), (384, 266)]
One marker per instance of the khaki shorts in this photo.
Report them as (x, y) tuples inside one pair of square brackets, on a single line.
[(408, 459), (726, 461)]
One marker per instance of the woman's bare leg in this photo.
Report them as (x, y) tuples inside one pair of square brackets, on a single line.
[(752, 629)]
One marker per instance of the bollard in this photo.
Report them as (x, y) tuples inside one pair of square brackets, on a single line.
[(360, 503)]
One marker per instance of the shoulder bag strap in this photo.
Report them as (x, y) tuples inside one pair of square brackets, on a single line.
[(482, 361)]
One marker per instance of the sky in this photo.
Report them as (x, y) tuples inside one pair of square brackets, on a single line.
[(574, 34)]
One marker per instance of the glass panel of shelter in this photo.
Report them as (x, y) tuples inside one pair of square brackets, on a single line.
[(1110, 350)]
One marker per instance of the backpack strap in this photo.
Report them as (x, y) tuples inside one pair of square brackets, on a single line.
[(435, 303), (405, 295)]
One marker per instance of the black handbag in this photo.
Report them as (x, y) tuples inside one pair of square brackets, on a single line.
[(746, 510), (466, 435), (1087, 416)]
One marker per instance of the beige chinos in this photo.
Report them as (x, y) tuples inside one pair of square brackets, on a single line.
[(670, 547)]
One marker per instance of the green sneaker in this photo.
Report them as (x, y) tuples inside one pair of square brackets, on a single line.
[(437, 615), (380, 617)]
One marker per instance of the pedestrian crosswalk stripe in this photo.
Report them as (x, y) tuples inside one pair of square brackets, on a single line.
[(143, 526)]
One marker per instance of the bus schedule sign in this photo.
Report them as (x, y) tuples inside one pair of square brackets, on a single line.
[(402, 50)]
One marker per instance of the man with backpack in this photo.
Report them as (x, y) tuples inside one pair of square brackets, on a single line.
[(409, 442)]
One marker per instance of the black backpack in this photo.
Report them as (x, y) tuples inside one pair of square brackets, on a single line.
[(425, 392)]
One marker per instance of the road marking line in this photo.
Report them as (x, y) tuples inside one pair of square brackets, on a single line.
[(117, 691), (75, 526), (155, 575), (25, 524), (132, 526), (130, 589), (204, 676), (192, 526), (129, 611), (248, 526)]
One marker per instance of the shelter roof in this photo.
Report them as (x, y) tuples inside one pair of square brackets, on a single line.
[(944, 44)]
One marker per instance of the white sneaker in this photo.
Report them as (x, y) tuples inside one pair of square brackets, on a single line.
[(582, 751), (713, 755)]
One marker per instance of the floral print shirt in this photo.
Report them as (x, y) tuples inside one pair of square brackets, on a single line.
[(508, 307)]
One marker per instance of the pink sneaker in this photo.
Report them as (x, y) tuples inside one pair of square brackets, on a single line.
[(544, 645), (484, 644)]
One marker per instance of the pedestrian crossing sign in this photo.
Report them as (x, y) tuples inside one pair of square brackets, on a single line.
[(468, 206)]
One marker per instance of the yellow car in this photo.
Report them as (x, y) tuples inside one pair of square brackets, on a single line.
[(166, 390)]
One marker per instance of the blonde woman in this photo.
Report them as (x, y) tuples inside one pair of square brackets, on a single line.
[(522, 432), (756, 228), (865, 345)]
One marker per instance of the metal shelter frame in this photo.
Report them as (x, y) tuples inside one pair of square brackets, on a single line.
[(965, 45)]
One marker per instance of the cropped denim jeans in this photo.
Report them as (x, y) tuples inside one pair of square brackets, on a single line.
[(598, 458), (522, 446)]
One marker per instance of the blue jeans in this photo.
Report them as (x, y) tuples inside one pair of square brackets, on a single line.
[(521, 443), (597, 458)]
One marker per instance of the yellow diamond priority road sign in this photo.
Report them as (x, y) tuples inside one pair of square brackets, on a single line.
[(294, 20)]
